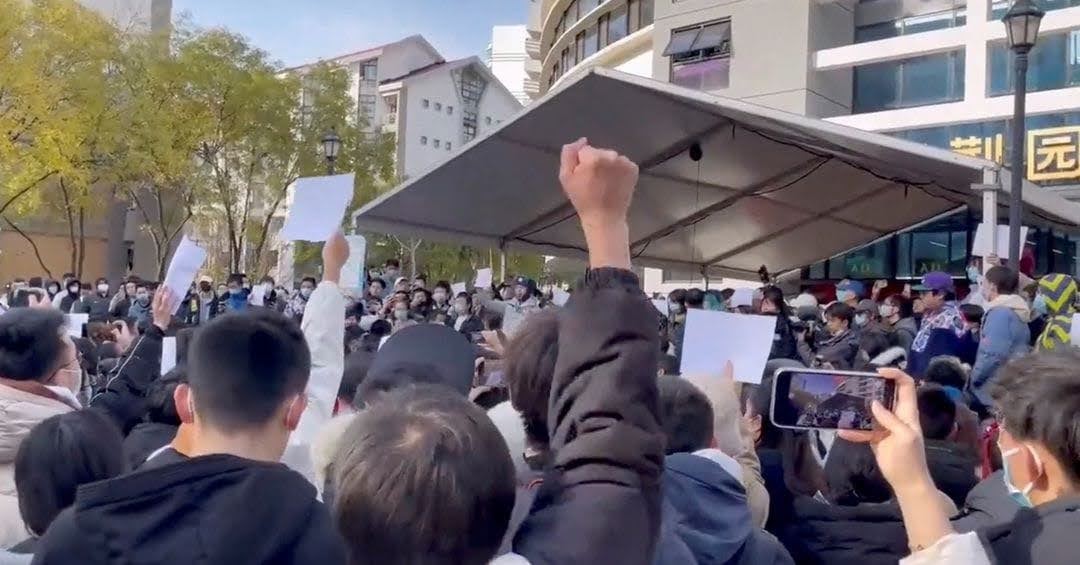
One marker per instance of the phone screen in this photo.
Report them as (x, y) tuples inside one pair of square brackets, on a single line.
[(829, 400)]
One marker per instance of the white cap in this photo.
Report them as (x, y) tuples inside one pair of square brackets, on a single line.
[(803, 300)]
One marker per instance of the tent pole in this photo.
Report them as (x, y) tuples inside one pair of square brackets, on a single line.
[(502, 265), (705, 274)]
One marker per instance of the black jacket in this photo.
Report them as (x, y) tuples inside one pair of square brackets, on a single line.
[(827, 534), (98, 307), (784, 340), (217, 509), (600, 503), (1041, 536), (988, 504), (144, 439), (123, 397), (471, 325)]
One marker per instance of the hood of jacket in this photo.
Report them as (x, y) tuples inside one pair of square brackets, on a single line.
[(23, 405), (1013, 302), (706, 517), (211, 509)]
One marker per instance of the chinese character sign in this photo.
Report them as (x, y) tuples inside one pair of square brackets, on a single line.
[(992, 148), (1053, 154)]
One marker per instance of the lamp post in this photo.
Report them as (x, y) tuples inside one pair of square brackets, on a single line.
[(1022, 27), (331, 145)]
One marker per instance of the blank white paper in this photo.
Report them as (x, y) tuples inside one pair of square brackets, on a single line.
[(318, 205), (483, 278), (186, 262), (75, 323), (712, 339), (168, 354), (981, 246)]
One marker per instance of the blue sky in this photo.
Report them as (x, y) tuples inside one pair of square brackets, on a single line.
[(302, 31)]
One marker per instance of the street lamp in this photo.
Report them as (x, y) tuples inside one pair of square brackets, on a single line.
[(331, 146), (1022, 26)]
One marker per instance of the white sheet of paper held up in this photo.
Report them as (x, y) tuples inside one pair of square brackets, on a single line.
[(559, 296), (981, 246), (168, 354), (714, 338), (483, 278), (75, 323), (186, 262), (318, 205)]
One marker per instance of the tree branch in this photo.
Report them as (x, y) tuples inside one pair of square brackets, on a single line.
[(37, 253), (24, 190)]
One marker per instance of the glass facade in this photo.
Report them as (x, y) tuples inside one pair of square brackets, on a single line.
[(908, 25), (618, 21), (918, 81), (1053, 63), (999, 7), (701, 56)]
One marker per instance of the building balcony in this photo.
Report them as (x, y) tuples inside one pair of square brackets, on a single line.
[(533, 67), (532, 46)]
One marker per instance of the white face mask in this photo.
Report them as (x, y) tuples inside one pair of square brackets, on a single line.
[(461, 309), (886, 310), (401, 315), (1019, 495), (103, 288), (439, 296), (306, 292), (861, 319)]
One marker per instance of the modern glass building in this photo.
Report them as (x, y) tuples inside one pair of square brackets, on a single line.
[(932, 71)]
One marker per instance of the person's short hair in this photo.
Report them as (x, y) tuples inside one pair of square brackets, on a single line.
[(381, 328), (678, 296), (695, 298), (68, 276), (310, 280), (841, 311), (686, 415), (378, 281), (58, 456), (242, 366), (937, 412), (357, 364), (904, 305), (466, 296), (404, 374), (1037, 398), (449, 494), (529, 368), (160, 406), (31, 343), (443, 285), (1005, 279), (972, 313), (946, 370), (99, 332), (392, 263), (420, 277)]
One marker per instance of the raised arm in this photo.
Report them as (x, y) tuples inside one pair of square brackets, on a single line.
[(601, 502)]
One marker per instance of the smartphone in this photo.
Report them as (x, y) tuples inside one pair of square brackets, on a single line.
[(818, 399)]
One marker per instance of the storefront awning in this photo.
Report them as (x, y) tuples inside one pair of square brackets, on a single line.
[(772, 188)]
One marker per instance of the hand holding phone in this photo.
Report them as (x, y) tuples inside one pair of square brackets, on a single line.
[(825, 399)]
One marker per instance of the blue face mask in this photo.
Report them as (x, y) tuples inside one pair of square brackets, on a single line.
[(973, 274), (1039, 304), (1019, 496)]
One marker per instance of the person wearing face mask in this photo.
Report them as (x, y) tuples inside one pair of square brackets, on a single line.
[(975, 277), (1055, 299), (841, 347), (440, 299), (400, 313), (773, 304), (236, 297), (391, 272), (202, 303), (121, 301), (70, 302), (297, 304), (465, 322), (52, 289), (97, 304), (140, 306), (1038, 403), (896, 317), (420, 305), (1004, 333)]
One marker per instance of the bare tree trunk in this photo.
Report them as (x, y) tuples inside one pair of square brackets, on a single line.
[(71, 228), (37, 253), (82, 243)]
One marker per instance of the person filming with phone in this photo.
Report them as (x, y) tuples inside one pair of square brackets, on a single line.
[(1037, 403)]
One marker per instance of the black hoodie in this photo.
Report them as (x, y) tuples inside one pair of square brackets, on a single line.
[(216, 509)]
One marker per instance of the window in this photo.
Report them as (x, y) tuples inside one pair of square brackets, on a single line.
[(447, 145), (999, 7), (911, 24), (616, 26), (436, 144), (633, 8), (425, 103), (370, 71), (438, 106), (701, 56), (602, 29), (469, 124), (449, 110), (589, 5), (472, 86), (1053, 64), (919, 81), (591, 46), (572, 13), (579, 46), (423, 140)]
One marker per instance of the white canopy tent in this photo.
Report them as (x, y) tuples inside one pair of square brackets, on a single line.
[(771, 188)]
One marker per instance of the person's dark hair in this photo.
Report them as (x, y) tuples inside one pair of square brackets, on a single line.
[(357, 364), (466, 296), (379, 282), (493, 320), (60, 454), (1005, 279), (677, 296), (448, 497), (528, 370), (31, 343), (937, 412), (443, 285), (160, 406), (400, 375), (420, 277), (695, 298), (904, 306), (686, 416), (310, 280), (402, 295), (99, 332), (392, 263), (773, 294), (242, 366), (381, 328), (841, 311), (68, 276), (1037, 398), (945, 370), (35, 282), (972, 313)]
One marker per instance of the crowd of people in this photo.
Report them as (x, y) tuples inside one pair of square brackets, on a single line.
[(406, 425)]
